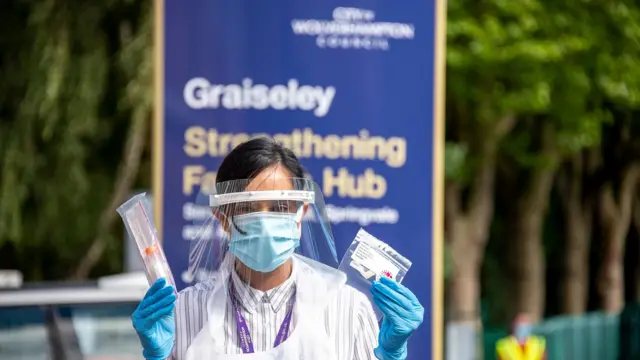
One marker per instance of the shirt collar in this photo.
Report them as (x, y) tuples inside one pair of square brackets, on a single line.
[(249, 298)]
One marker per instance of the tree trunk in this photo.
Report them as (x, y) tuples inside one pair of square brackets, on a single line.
[(468, 227), (615, 216), (576, 277), (578, 216), (528, 258), (465, 279), (611, 276)]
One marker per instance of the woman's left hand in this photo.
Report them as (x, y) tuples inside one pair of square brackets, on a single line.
[(403, 313)]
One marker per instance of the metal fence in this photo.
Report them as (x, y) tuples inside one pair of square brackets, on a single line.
[(590, 337)]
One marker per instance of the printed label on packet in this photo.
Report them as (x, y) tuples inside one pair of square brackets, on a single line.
[(368, 261)]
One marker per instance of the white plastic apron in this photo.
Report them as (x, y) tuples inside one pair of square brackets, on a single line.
[(316, 285)]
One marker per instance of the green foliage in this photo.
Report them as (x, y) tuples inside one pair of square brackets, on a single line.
[(556, 61), (61, 136), (504, 52), (455, 157), (618, 68)]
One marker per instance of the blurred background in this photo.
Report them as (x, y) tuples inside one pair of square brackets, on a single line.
[(542, 166)]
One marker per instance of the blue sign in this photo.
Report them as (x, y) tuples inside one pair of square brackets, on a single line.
[(354, 88)]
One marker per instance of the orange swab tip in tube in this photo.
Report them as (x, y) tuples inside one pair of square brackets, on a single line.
[(151, 250)]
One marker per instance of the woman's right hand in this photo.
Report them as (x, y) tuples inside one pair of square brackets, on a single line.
[(154, 321)]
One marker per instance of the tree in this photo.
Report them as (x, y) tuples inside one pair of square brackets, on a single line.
[(509, 65), (476, 126), (66, 104), (621, 181), (587, 74), (135, 59), (618, 78)]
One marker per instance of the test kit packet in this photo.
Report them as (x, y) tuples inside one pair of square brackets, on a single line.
[(137, 219), (367, 259)]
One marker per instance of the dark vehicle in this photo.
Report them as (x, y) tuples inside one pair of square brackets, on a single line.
[(88, 321)]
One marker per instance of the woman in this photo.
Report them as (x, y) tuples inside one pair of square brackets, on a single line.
[(272, 297)]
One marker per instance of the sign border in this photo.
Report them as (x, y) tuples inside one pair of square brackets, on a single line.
[(157, 183), (437, 218), (437, 221)]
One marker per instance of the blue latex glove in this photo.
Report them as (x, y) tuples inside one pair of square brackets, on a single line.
[(154, 321), (402, 315)]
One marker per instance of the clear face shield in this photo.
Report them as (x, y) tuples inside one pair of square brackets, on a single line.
[(258, 226)]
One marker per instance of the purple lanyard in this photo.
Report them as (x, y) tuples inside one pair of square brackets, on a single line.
[(243, 330)]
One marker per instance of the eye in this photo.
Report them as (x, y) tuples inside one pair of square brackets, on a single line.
[(280, 207), (242, 208)]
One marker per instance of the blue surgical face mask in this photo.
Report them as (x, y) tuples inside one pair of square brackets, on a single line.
[(269, 239), (523, 331)]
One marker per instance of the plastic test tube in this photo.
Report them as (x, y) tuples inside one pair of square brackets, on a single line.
[(142, 231)]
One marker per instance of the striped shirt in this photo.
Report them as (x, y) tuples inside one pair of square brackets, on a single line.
[(349, 318)]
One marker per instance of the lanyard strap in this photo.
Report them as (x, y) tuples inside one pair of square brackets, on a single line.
[(246, 343)]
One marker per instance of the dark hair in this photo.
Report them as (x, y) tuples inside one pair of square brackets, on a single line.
[(248, 159)]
